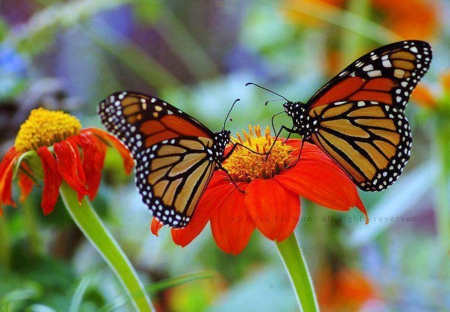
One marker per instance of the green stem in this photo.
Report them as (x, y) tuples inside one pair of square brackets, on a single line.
[(95, 231), (184, 45), (443, 202), (130, 54), (5, 244), (31, 226), (352, 42), (295, 263), (443, 213), (344, 19)]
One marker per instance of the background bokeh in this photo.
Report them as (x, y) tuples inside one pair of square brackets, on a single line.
[(198, 55)]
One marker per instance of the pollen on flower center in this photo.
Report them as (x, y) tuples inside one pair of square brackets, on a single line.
[(244, 165), (44, 128)]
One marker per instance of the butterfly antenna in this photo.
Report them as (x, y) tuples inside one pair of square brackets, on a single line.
[(228, 115), (268, 101), (257, 85)]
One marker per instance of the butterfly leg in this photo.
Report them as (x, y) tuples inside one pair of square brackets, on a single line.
[(231, 178), (243, 146), (290, 131), (273, 123), (298, 158)]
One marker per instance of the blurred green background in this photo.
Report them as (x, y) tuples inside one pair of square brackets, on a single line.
[(198, 55)]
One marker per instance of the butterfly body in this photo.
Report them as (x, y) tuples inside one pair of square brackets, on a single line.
[(358, 119), (302, 123), (175, 154)]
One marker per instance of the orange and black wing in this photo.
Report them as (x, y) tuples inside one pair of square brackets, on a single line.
[(140, 121), (172, 176), (358, 117), (173, 152), (387, 75), (371, 141)]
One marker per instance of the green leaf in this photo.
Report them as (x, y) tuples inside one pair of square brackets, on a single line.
[(148, 12), (160, 286), (33, 161), (77, 298)]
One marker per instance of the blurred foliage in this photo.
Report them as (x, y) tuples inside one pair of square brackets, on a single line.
[(198, 55)]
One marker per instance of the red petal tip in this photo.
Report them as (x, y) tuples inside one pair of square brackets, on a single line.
[(156, 226)]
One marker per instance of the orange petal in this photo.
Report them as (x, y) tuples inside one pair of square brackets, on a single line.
[(321, 180), (78, 158), (343, 289), (156, 226), (217, 192), (69, 164), (52, 180), (25, 182), (94, 152), (444, 78), (424, 97), (274, 210), (128, 161), (6, 172), (410, 19), (231, 225)]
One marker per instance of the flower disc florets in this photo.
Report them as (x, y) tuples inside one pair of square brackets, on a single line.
[(244, 165), (44, 128)]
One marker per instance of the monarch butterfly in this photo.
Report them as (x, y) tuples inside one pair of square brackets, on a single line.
[(358, 119), (175, 154)]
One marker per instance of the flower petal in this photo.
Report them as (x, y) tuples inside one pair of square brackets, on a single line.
[(52, 180), (25, 182), (94, 153), (78, 158), (274, 210), (156, 226), (217, 192), (69, 164), (231, 225), (128, 161), (320, 179), (6, 172)]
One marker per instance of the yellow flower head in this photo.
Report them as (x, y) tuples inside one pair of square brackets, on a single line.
[(44, 128), (244, 165)]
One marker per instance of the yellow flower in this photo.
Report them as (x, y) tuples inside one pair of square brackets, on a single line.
[(63, 151)]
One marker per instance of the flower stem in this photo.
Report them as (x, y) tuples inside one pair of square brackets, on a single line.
[(443, 206), (30, 221), (294, 261), (5, 245), (95, 231)]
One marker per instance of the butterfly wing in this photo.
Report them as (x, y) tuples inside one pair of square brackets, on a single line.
[(171, 149), (172, 176), (140, 121), (357, 118), (387, 75), (371, 141)]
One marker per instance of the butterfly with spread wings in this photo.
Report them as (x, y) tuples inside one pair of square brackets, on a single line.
[(358, 118), (175, 154)]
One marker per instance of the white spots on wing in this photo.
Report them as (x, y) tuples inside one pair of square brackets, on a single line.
[(374, 73), (387, 64)]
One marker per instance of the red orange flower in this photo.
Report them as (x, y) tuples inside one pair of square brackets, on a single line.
[(345, 289), (407, 18), (51, 146), (434, 98), (268, 194)]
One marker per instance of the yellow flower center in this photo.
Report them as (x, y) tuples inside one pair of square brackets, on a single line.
[(44, 128), (244, 164)]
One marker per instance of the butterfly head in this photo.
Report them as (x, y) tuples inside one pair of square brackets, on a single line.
[(300, 117), (221, 139), (289, 108)]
